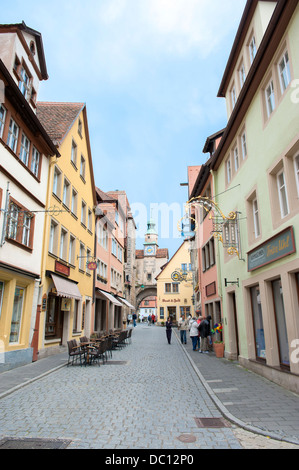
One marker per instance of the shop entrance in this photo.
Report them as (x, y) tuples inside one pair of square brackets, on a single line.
[(54, 318), (171, 312)]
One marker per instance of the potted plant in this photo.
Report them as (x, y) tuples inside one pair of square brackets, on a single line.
[(218, 344)]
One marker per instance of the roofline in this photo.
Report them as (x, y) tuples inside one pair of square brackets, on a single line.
[(279, 21), (24, 107), (17, 27), (166, 264)]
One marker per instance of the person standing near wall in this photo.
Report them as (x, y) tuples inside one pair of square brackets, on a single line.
[(168, 329), (194, 333), (183, 327)]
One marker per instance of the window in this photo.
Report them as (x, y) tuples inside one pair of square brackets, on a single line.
[(233, 96), (208, 255), (89, 220), (82, 167), (282, 192), (13, 222), (175, 287), (24, 83), (57, 182), (81, 257), (228, 171), (244, 145), (74, 153), (167, 287), (72, 248), (296, 164), (24, 150), (252, 49), (114, 247), (2, 119), (63, 244), (83, 213), (20, 225), (236, 158), (281, 328), (161, 313), (53, 237), (12, 137), (284, 72), (270, 98), (26, 229), (74, 201), (255, 213), (66, 193), (242, 75), (16, 315), (35, 161), (257, 316), (76, 315)]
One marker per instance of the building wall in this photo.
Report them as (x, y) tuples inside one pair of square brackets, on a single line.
[(272, 144), (83, 233), (176, 301)]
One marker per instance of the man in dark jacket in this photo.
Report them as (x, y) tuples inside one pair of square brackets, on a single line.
[(204, 331)]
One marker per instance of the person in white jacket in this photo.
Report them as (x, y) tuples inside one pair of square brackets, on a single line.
[(194, 333)]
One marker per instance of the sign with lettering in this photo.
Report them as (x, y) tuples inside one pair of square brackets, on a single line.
[(62, 268), (283, 244)]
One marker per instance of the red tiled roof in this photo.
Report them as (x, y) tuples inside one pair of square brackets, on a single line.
[(58, 118), (139, 254), (162, 253), (104, 196)]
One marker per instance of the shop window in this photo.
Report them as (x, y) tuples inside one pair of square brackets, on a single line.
[(258, 324), (279, 310), (17, 315)]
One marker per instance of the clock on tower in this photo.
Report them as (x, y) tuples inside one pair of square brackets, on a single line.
[(150, 250)]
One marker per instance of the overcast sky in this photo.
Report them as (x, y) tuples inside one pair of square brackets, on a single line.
[(149, 72)]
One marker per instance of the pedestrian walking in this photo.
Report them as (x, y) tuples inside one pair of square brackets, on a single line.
[(183, 327), (134, 318), (168, 329), (153, 319), (194, 333), (205, 331), (149, 320)]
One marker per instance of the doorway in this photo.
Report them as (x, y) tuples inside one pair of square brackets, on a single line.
[(171, 312), (233, 325)]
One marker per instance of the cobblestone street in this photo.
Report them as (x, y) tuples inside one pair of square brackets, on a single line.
[(146, 397)]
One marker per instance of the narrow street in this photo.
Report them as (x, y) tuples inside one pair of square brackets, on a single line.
[(147, 396)]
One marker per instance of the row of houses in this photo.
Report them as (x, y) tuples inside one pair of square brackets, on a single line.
[(67, 248), (244, 201)]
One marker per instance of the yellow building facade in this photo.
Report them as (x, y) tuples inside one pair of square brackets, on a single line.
[(175, 287), (68, 278)]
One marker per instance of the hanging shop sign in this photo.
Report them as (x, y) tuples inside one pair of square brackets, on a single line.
[(277, 247), (92, 266)]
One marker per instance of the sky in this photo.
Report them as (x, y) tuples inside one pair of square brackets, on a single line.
[(149, 72)]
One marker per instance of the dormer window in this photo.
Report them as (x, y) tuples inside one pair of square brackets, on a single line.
[(24, 82)]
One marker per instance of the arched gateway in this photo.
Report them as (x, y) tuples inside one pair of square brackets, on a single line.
[(149, 263)]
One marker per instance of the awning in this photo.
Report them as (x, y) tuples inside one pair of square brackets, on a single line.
[(110, 297), (124, 301), (66, 288)]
